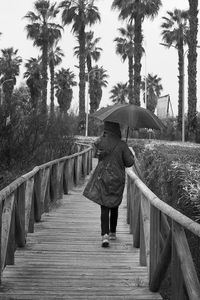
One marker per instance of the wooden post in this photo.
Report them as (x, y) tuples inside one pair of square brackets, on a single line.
[(60, 179), (32, 216), (6, 225), (177, 292), (1, 264), (163, 263), (154, 239), (144, 231), (54, 182), (37, 196), (136, 216), (47, 194), (10, 254), (45, 173), (84, 164), (28, 202), (20, 216), (66, 177), (128, 200), (186, 264)]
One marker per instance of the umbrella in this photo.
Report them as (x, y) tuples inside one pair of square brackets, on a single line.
[(131, 115)]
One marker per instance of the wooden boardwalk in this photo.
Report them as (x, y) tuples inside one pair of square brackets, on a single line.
[(63, 258)]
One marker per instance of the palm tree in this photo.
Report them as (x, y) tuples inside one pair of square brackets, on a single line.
[(80, 13), (9, 70), (44, 33), (192, 68), (137, 10), (99, 79), (55, 58), (125, 48), (64, 81), (119, 93), (153, 89), (33, 75), (93, 53), (174, 34)]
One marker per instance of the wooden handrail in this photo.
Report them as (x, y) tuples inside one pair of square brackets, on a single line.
[(24, 200), (146, 214)]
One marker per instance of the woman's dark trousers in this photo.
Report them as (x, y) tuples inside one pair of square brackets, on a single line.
[(109, 218)]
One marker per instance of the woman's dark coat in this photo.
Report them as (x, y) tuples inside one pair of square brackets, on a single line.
[(106, 184)]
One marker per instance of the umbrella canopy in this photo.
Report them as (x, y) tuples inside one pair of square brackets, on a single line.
[(131, 115)]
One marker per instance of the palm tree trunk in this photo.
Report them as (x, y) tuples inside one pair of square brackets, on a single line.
[(82, 78), (51, 67), (44, 78), (180, 79), (137, 58), (130, 70), (192, 69)]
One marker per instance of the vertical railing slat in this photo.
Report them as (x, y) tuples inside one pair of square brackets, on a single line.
[(6, 224), (154, 239)]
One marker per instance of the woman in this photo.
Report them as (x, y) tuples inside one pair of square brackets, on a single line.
[(106, 185)]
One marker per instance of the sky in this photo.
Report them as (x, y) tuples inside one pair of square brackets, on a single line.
[(158, 60)]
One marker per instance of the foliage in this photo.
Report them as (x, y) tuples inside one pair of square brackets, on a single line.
[(33, 81), (28, 142), (44, 34), (136, 11), (172, 172), (80, 14), (119, 93), (64, 81), (175, 34), (152, 86), (55, 58), (99, 80), (125, 48), (9, 70)]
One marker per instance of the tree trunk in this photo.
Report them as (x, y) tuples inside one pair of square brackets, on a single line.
[(44, 78), (192, 69), (130, 70), (82, 79), (137, 58), (180, 86), (51, 67)]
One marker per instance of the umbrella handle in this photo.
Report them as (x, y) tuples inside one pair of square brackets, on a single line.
[(127, 132)]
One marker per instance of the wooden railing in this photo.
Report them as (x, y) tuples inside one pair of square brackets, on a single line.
[(159, 231), (24, 200)]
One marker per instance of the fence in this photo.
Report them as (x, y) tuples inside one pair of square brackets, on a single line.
[(24, 200), (159, 231)]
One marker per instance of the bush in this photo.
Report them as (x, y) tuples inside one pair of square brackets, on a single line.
[(33, 142)]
